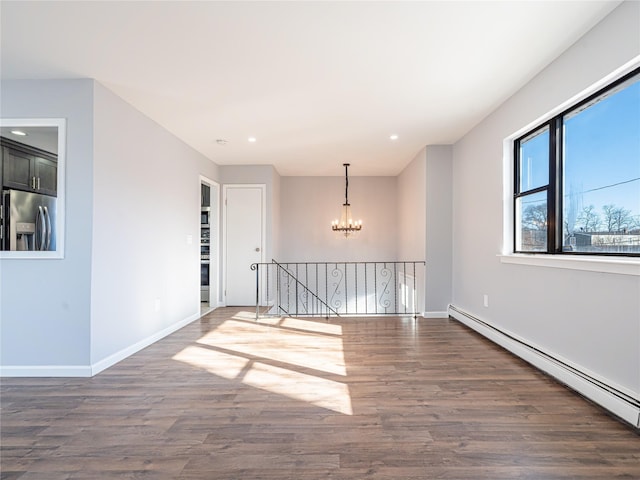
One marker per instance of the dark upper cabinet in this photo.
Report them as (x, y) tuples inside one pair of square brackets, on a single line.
[(16, 169), (24, 168), (46, 173)]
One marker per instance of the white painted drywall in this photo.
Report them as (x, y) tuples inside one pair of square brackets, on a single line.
[(590, 319), (44, 304), (424, 218), (132, 196), (275, 219), (309, 204), (412, 212), (145, 274), (439, 205), (412, 217)]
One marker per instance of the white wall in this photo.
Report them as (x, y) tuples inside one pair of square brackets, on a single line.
[(412, 218), (145, 273), (309, 204), (412, 208), (424, 219), (275, 220), (45, 304), (132, 199), (590, 319), (439, 209)]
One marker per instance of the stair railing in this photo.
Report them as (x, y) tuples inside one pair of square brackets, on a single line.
[(339, 288), (301, 291)]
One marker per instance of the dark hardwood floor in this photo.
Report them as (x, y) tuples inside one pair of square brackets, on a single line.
[(377, 398)]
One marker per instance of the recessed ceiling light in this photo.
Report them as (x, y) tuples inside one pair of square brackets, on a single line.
[(393, 137), (251, 139), (19, 132)]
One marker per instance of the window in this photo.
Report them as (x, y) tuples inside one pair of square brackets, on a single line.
[(577, 177)]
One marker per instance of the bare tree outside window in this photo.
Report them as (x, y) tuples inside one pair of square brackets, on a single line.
[(617, 219), (588, 220)]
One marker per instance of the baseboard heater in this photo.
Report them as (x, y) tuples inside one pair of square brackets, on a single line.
[(612, 399)]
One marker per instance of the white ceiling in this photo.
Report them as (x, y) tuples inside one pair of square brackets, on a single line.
[(317, 83)]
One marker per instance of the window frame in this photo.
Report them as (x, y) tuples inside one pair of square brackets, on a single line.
[(554, 188)]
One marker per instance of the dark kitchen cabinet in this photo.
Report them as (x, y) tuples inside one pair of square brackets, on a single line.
[(46, 173), (16, 169), (28, 169)]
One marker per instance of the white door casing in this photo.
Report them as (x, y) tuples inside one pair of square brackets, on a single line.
[(244, 236), (214, 242)]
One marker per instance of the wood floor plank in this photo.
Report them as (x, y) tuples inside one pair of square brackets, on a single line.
[(378, 398)]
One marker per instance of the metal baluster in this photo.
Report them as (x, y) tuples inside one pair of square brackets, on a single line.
[(297, 290), (326, 285), (375, 285), (384, 269), (278, 291), (356, 274), (415, 290), (267, 300), (257, 290), (395, 290), (405, 300), (346, 298), (366, 291), (288, 293)]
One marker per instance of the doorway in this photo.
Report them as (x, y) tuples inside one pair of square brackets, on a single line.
[(209, 244), (244, 226)]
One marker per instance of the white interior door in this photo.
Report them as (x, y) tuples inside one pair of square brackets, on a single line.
[(244, 241)]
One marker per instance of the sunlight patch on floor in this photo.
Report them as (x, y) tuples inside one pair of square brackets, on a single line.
[(318, 327), (299, 386), (298, 348), (288, 356), (222, 364)]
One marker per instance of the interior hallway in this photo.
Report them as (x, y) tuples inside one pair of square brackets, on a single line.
[(383, 398)]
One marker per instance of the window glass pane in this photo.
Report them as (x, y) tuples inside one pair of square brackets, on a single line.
[(534, 160), (601, 178), (531, 223)]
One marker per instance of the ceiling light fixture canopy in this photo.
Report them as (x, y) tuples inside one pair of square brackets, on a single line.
[(346, 225)]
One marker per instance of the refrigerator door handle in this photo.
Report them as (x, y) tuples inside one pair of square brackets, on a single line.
[(48, 228), (41, 227)]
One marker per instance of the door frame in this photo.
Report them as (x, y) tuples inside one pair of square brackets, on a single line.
[(263, 213), (214, 268)]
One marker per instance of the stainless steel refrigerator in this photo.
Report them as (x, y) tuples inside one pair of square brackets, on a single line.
[(28, 221)]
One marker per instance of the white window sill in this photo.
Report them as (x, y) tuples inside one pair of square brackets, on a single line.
[(616, 265)]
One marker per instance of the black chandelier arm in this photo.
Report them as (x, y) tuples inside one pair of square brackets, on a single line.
[(351, 228)]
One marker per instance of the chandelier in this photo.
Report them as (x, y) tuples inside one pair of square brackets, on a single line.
[(346, 225)]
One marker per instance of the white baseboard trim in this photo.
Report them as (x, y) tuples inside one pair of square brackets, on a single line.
[(618, 402), (136, 347), (435, 314), (45, 371), (94, 369)]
